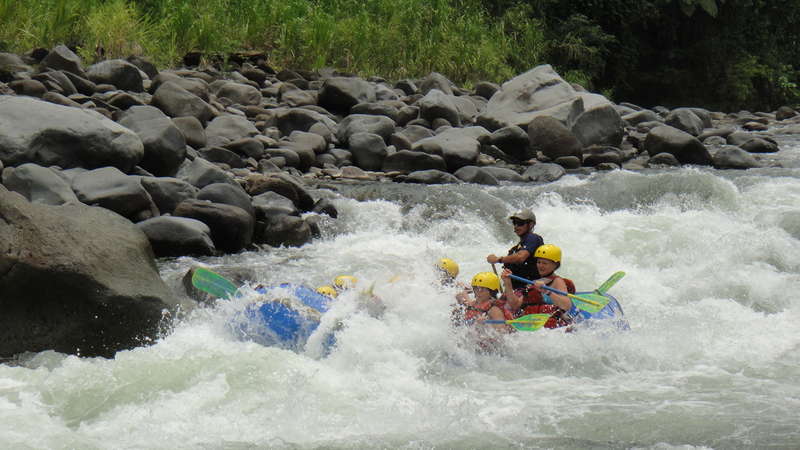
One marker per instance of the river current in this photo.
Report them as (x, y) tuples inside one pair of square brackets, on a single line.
[(712, 359)]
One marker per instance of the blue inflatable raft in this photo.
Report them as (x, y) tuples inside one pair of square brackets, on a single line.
[(285, 317)]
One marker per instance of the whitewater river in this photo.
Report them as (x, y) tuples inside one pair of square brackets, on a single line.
[(712, 359)]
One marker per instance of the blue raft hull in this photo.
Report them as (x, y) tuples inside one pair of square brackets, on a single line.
[(286, 317), (611, 314)]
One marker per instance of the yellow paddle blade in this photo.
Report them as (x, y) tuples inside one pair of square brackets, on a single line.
[(530, 322)]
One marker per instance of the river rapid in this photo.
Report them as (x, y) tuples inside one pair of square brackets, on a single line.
[(712, 359)]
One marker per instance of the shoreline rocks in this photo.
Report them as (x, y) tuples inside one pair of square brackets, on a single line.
[(195, 161)]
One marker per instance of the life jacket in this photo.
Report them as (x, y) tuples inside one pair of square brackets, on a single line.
[(533, 303)]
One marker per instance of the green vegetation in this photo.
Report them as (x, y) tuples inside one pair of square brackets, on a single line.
[(723, 54)]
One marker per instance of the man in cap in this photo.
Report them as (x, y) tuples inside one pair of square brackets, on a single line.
[(520, 260)]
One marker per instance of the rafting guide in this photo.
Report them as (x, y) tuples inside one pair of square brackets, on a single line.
[(520, 259)]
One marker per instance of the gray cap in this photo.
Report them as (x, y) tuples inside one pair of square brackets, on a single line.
[(524, 214)]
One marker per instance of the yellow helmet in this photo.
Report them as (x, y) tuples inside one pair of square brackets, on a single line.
[(548, 251), (345, 282), (449, 266), (487, 280), (327, 290)]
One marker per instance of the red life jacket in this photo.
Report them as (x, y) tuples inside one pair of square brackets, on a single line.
[(532, 303)]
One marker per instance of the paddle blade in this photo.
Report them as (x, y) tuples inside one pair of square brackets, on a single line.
[(213, 283), (531, 322), (590, 303), (609, 283)]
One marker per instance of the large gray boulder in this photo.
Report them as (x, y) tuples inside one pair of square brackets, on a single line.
[(553, 138), (283, 230), (686, 120), (230, 128), (368, 150), (62, 58), (164, 143), (477, 175), (178, 236), (513, 141), (38, 184), (168, 192), (732, 157), (544, 173), (231, 226), (47, 134), (340, 93), (200, 173), (77, 280), (411, 161), (111, 189), (685, 147), (117, 72), (227, 194), (458, 146), (302, 119), (431, 176), (362, 123), (239, 93), (176, 101), (436, 104), (542, 92)]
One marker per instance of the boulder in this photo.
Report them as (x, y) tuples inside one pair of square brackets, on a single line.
[(553, 138), (437, 105), (231, 226), (368, 150), (230, 128), (283, 230), (513, 141), (504, 174), (340, 93), (538, 92), (111, 189), (223, 156), (435, 80), (361, 123), (411, 161), (599, 125), (238, 93), (376, 109), (164, 144), (271, 203), (597, 154), (458, 146), (103, 292), (686, 120), (477, 175), (178, 236), (785, 112), (663, 159), (38, 184), (486, 89), (30, 88), (168, 192), (544, 172), (302, 119), (227, 194), (685, 147), (431, 176), (192, 131), (29, 132), (118, 73), (639, 116), (176, 101), (200, 173), (282, 184), (62, 58), (732, 157)]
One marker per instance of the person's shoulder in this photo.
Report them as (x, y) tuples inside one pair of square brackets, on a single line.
[(533, 238)]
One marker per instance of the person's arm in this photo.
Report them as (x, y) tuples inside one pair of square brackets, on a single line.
[(515, 258), (513, 300), (562, 301)]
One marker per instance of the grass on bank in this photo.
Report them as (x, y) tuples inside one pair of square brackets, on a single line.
[(390, 38)]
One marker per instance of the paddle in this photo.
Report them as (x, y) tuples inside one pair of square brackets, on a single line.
[(531, 322), (590, 303), (213, 283), (611, 281), (498, 277)]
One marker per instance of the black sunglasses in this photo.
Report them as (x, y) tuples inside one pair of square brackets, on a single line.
[(518, 222)]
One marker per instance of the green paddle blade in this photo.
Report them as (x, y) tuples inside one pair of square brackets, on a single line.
[(609, 283), (590, 303), (213, 283), (531, 322)]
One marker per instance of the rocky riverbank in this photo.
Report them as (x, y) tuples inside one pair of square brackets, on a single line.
[(109, 165)]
